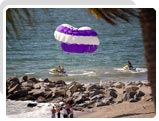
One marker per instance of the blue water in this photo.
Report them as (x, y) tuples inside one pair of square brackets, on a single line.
[(36, 50)]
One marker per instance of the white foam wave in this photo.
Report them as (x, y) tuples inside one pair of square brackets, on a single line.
[(42, 110), (39, 113), (137, 70), (89, 73), (141, 70), (30, 73), (106, 72)]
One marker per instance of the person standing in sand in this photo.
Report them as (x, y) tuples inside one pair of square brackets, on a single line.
[(71, 112), (53, 111), (58, 111), (64, 112)]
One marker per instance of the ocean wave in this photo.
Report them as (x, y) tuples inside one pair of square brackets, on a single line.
[(42, 110), (106, 72), (137, 70), (80, 73), (30, 73)]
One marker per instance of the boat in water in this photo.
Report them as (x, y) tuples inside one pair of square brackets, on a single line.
[(55, 72), (126, 67)]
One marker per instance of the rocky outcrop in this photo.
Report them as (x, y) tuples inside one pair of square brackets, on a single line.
[(133, 94), (78, 94)]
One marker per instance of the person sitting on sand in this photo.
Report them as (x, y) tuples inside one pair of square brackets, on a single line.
[(130, 65)]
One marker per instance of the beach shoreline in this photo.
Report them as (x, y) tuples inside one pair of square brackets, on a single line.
[(102, 100)]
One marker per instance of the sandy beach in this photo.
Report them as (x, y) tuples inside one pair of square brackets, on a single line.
[(101, 100), (141, 109), (125, 110)]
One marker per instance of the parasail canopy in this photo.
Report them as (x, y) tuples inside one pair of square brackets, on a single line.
[(76, 40)]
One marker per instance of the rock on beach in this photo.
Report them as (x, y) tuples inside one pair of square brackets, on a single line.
[(82, 95)]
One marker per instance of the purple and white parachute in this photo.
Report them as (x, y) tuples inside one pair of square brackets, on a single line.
[(76, 40)]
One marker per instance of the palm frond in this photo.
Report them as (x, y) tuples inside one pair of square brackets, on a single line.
[(14, 16), (112, 14)]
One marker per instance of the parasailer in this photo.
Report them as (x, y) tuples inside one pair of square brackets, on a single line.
[(75, 40)]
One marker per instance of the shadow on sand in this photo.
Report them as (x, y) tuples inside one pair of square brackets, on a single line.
[(131, 114)]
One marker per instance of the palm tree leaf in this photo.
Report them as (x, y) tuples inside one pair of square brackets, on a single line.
[(14, 16), (9, 19), (112, 14)]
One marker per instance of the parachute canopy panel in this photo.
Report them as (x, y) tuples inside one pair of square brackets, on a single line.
[(76, 40)]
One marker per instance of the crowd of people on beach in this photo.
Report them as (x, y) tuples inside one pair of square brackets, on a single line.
[(65, 111)]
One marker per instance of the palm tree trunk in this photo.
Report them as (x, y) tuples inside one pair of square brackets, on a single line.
[(148, 24)]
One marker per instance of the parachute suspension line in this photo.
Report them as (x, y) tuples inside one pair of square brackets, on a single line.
[(72, 57), (60, 56), (61, 60), (72, 64), (80, 61)]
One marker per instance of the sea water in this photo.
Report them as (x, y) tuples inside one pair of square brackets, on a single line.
[(34, 51)]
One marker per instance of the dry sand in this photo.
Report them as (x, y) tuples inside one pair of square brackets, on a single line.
[(124, 110), (141, 109)]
